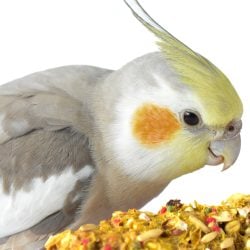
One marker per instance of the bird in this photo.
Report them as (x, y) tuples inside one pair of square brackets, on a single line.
[(78, 142)]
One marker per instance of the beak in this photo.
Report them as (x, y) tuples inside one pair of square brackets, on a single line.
[(226, 151)]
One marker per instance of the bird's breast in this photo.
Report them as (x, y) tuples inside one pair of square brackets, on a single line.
[(23, 209)]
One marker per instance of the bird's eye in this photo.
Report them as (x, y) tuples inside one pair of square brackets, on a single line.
[(190, 118)]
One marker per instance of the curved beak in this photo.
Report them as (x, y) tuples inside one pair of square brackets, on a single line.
[(226, 151)]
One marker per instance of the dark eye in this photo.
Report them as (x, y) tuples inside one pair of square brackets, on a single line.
[(190, 118)]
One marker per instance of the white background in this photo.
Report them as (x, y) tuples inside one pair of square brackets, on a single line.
[(41, 34)]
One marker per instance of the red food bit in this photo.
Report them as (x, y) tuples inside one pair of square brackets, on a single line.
[(117, 220), (112, 240), (163, 210), (107, 247), (210, 220), (85, 241), (216, 228)]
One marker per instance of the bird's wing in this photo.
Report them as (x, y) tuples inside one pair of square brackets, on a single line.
[(49, 100), (49, 110), (35, 237), (44, 145), (24, 241)]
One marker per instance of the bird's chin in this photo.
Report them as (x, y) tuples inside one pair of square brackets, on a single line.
[(214, 159)]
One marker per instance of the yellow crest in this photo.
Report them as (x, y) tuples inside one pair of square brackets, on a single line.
[(212, 87)]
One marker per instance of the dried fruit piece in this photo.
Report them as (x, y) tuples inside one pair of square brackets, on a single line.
[(215, 228), (107, 247), (143, 216), (228, 242), (163, 210), (210, 220), (179, 229), (117, 213), (199, 224), (88, 227), (232, 227), (224, 216), (85, 241), (150, 234), (248, 244), (244, 211), (129, 222), (247, 231), (188, 209), (209, 237)]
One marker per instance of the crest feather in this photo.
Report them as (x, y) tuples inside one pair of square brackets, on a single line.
[(182, 58), (194, 70)]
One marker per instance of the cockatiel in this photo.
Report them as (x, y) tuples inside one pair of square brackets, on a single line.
[(78, 142)]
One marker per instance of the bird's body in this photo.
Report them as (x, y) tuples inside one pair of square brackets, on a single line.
[(47, 120), (78, 142), (47, 162)]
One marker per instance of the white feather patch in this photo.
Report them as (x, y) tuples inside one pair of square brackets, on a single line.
[(20, 126), (22, 210)]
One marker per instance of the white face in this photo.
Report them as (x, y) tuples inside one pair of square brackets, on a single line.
[(139, 161), (149, 80)]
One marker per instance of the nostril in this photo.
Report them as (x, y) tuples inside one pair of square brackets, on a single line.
[(231, 128)]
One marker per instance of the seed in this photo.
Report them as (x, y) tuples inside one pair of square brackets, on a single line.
[(180, 224), (152, 245), (225, 216), (228, 242), (188, 209), (248, 221), (244, 211), (153, 233), (143, 216), (88, 227), (129, 222), (248, 244), (247, 232), (199, 224), (209, 237), (232, 227), (117, 213)]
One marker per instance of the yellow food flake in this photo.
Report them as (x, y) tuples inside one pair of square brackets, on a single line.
[(175, 226)]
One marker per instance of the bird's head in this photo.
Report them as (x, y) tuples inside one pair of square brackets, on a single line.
[(177, 111)]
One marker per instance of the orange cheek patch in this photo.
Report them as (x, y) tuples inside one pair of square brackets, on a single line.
[(153, 125)]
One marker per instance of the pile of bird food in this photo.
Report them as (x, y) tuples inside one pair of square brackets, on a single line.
[(175, 226)]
